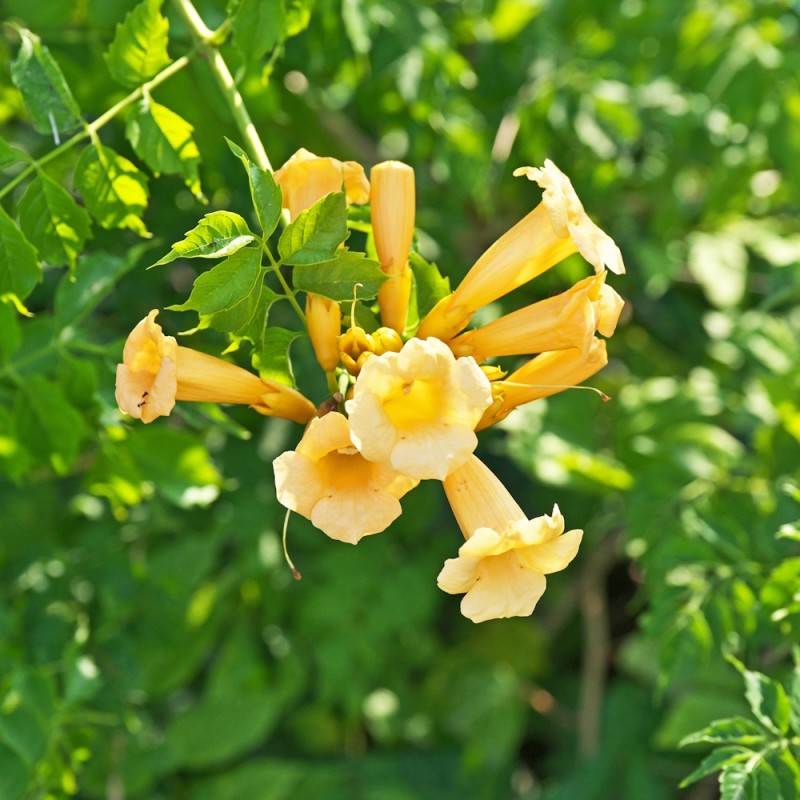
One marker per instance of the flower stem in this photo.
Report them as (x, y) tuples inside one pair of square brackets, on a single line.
[(92, 128), (207, 41)]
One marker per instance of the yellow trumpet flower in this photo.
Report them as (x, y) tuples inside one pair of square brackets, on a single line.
[(566, 320), (156, 372), (545, 375), (329, 482), (393, 204), (555, 229), (501, 567)]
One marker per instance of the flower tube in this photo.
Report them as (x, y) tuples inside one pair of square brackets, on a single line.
[(329, 482), (501, 567), (555, 229), (393, 204), (566, 320), (156, 372), (545, 375)]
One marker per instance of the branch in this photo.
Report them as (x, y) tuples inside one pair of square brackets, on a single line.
[(92, 128), (207, 42)]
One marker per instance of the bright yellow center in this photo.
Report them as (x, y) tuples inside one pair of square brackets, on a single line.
[(414, 403), (346, 471), (147, 358)]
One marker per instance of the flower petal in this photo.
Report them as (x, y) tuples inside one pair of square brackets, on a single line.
[(551, 556)]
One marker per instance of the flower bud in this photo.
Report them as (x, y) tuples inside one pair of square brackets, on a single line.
[(324, 320)]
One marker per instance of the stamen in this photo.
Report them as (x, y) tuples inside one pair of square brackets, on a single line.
[(603, 396), (295, 572)]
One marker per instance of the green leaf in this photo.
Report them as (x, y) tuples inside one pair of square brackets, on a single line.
[(223, 728), (795, 700), (736, 730), (163, 140), (10, 155), (53, 221), (19, 267), (258, 25), (96, 275), (751, 780), (139, 49), (49, 427), (256, 328), (273, 361), (431, 285), (721, 757), (266, 194), (768, 701), (787, 771), (226, 297), (114, 190), (44, 90), (316, 233), (218, 234), (23, 731), (13, 775), (10, 333), (337, 278)]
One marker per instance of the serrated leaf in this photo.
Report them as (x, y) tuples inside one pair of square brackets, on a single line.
[(787, 771), (256, 328), (44, 90), (226, 297), (265, 193), (735, 730), (19, 267), (720, 758), (273, 361), (53, 221), (337, 278), (750, 780), (139, 49), (431, 285), (114, 190), (163, 140), (316, 233), (258, 25), (10, 155), (218, 234), (768, 701)]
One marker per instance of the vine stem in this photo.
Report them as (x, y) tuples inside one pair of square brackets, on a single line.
[(207, 41), (91, 129)]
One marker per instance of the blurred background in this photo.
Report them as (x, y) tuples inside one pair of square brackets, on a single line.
[(153, 643)]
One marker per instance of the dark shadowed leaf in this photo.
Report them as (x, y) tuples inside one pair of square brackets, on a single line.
[(19, 267)]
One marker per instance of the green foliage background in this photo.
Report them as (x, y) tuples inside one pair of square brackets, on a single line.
[(152, 641)]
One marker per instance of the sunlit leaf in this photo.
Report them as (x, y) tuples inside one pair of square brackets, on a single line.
[(316, 233), (226, 297), (53, 221), (432, 286), (44, 90), (19, 267), (265, 193), (721, 757), (768, 701), (139, 49), (163, 140), (218, 234), (114, 190), (336, 279), (736, 730)]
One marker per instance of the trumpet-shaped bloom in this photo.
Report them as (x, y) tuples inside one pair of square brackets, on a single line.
[(545, 375), (306, 178), (329, 482), (324, 319), (392, 202), (566, 320), (156, 371), (501, 567), (555, 229), (415, 411)]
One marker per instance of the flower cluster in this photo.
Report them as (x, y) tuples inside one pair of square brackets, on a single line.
[(405, 405)]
